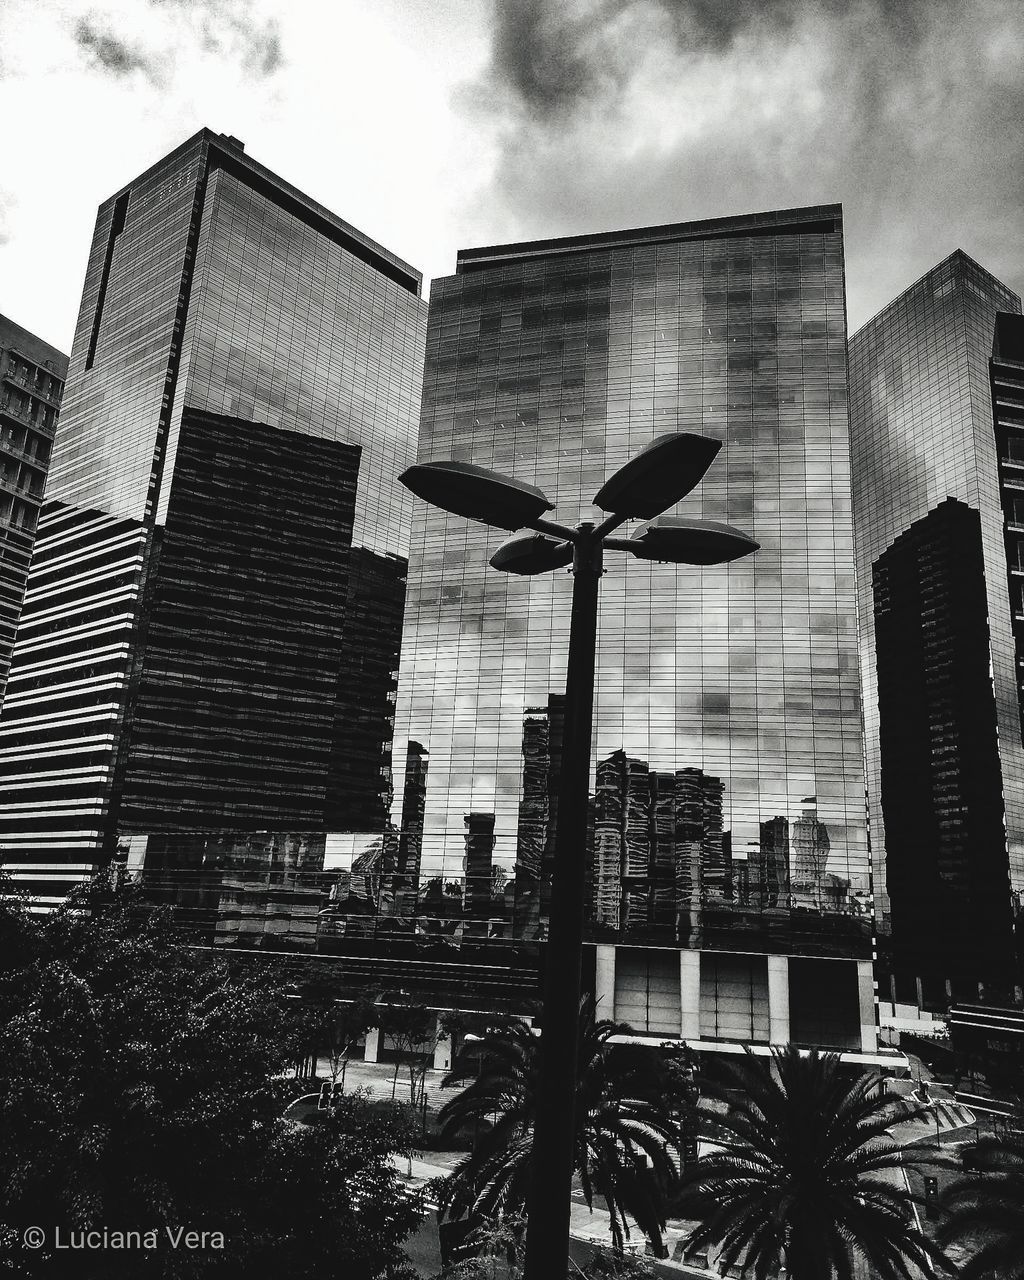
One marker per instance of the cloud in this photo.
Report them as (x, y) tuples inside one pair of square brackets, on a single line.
[(550, 55), (110, 52), (233, 28), (612, 113), (225, 29)]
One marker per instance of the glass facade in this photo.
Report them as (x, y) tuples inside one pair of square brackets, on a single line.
[(208, 664), (31, 385), (922, 432), (727, 824)]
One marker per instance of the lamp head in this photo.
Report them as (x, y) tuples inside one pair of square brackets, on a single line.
[(659, 476), (467, 490), (527, 553), (683, 540)]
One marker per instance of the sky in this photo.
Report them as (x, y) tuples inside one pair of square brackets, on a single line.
[(434, 125)]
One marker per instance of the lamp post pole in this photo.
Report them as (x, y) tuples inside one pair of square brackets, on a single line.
[(547, 1231)]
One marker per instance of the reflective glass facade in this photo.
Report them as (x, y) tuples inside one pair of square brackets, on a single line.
[(31, 385), (922, 432), (223, 527), (727, 824)]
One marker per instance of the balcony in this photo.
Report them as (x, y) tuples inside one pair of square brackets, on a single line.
[(30, 385)]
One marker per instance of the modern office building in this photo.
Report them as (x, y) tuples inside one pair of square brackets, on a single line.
[(32, 377), (204, 673), (937, 427), (729, 879)]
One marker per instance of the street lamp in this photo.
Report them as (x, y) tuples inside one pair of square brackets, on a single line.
[(658, 477)]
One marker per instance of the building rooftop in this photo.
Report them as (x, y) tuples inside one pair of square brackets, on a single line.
[(815, 219), (228, 153)]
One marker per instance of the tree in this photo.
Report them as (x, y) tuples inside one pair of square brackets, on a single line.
[(623, 1130), (500, 1246), (801, 1179), (345, 1025), (496, 1242), (986, 1210), (413, 1030), (606, 1264), (142, 1085), (331, 1202)]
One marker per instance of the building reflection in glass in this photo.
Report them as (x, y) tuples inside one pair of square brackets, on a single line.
[(659, 858)]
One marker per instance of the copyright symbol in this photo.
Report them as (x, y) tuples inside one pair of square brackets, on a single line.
[(34, 1237)]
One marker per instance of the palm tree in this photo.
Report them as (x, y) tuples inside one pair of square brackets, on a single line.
[(986, 1211), (623, 1129), (800, 1179)]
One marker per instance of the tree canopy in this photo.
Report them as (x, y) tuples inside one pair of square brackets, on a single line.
[(142, 1086), (985, 1211), (624, 1125), (806, 1176)]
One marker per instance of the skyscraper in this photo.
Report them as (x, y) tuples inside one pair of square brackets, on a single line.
[(725, 697), (211, 633), (938, 462), (32, 377)]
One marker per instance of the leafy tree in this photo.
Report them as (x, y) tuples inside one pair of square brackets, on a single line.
[(986, 1210), (623, 1130), (142, 1085), (331, 1202), (800, 1181), (607, 1264), (497, 1243), (413, 1030), (344, 1026)]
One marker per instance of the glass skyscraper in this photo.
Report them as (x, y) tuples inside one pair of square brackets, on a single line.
[(937, 426), (203, 681), (729, 879), (31, 385)]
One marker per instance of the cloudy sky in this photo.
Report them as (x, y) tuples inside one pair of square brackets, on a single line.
[(439, 124)]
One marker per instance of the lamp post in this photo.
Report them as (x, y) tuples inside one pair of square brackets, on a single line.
[(479, 1042), (658, 477)]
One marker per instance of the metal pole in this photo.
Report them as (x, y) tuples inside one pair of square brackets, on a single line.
[(554, 1135)]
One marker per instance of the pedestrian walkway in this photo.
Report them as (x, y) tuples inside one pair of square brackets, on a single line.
[(380, 1080), (938, 1115)]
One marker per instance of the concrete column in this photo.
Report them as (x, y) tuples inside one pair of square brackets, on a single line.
[(442, 1048), (372, 1045), (604, 981), (778, 999), (868, 1013), (689, 995)]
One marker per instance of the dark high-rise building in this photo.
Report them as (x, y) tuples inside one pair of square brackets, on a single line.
[(948, 876), (538, 813), (938, 473), (211, 632), (771, 880), (725, 697), (32, 377), (479, 867)]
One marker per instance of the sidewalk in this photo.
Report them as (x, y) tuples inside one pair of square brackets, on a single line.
[(378, 1077)]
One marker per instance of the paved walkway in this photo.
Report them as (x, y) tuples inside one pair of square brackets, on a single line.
[(379, 1079)]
